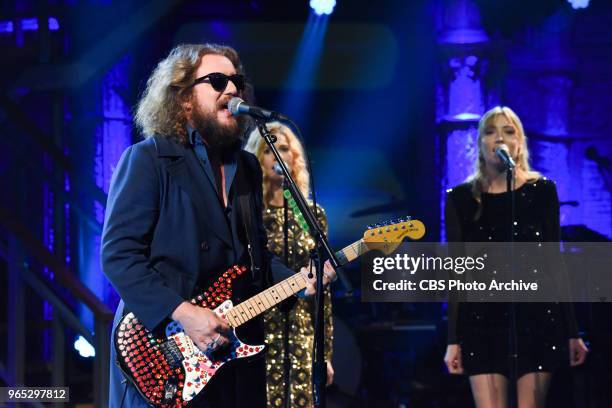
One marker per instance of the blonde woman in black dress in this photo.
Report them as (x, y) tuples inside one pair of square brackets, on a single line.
[(476, 211)]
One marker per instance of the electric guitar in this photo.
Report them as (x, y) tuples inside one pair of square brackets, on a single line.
[(169, 370)]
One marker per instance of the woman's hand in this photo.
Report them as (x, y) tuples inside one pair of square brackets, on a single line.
[(330, 374), (452, 359), (578, 351), (329, 275)]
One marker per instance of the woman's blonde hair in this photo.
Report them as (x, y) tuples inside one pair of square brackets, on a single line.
[(257, 145), (522, 161), (160, 110)]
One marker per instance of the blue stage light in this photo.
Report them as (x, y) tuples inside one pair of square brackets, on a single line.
[(28, 24), (6, 26), (578, 4), (84, 348), (321, 7), (53, 24)]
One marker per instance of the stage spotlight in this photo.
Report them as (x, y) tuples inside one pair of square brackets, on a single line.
[(321, 7), (84, 348), (577, 4)]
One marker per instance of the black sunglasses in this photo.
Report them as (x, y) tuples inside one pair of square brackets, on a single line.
[(219, 81)]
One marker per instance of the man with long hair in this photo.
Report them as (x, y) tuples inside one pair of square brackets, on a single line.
[(184, 205)]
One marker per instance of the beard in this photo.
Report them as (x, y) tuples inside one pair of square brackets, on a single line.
[(220, 138)]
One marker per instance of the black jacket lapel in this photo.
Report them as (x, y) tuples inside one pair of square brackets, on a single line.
[(185, 170)]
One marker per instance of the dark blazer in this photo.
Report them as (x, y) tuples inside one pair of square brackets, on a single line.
[(165, 227)]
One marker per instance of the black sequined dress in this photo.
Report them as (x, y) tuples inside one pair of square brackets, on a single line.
[(482, 329)]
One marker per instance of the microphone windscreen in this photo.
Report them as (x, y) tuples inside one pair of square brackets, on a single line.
[(233, 105), (501, 148), (278, 170)]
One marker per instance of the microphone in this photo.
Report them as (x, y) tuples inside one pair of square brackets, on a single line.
[(503, 153), (277, 169), (239, 107)]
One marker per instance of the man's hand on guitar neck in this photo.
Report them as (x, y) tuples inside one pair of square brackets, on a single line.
[(329, 275), (203, 326)]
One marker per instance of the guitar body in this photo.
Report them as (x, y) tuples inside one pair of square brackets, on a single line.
[(167, 368)]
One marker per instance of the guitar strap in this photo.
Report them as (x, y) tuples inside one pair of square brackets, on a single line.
[(246, 188)]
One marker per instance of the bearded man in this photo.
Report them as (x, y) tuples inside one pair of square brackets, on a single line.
[(184, 205)]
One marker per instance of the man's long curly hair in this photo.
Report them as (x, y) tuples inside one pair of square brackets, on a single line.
[(160, 109)]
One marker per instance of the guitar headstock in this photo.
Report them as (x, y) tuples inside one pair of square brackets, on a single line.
[(387, 236)]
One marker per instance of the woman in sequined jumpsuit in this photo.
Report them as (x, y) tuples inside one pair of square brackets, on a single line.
[(478, 332), (290, 326)]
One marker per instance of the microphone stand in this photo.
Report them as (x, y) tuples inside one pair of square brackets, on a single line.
[(286, 309), (322, 245), (512, 338)]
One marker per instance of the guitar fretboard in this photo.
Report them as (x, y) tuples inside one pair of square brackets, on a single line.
[(272, 296), (265, 300), (352, 252)]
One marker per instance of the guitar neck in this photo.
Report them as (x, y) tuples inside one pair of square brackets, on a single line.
[(272, 296), (351, 252)]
